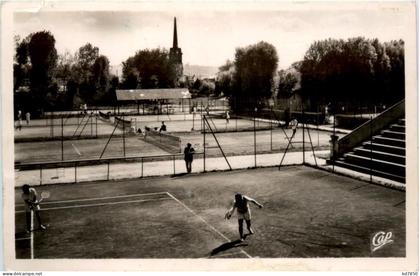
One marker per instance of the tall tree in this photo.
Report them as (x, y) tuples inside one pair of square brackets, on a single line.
[(224, 79), (255, 66), (287, 82), (150, 68), (100, 71), (395, 51), (82, 73), (86, 57), (101, 77), (43, 56), (63, 71), (21, 62), (131, 75)]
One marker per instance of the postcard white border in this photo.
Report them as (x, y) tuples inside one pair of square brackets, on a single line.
[(409, 263)]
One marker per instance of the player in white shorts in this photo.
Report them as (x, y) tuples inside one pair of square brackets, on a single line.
[(29, 196), (243, 212)]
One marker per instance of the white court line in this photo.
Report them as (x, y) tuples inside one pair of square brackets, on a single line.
[(32, 234), (22, 239), (97, 204), (85, 205), (77, 151), (203, 220), (95, 198)]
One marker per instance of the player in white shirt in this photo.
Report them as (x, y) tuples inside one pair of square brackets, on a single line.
[(294, 124), (243, 211), (29, 196)]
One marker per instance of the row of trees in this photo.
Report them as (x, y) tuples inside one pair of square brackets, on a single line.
[(46, 80), (356, 71), (152, 68)]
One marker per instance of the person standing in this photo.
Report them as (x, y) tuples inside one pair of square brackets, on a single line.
[(227, 117), (28, 117), (294, 123), (188, 157), (243, 211), (19, 120), (29, 196)]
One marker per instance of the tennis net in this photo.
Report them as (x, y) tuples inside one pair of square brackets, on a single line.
[(165, 141), (123, 123), (104, 116)]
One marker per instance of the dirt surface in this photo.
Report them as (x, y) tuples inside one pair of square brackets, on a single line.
[(232, 143), (307, 213), (266, 140), (84, 149), (84, 129)]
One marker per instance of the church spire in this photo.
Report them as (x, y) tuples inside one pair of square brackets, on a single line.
[(175, 54), (175, 44)]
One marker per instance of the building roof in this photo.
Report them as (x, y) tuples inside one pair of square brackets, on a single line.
[(153, 94)]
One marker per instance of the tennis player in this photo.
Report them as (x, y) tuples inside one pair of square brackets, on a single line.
[(243, 211), (294, 123), (29, 196), (19, 120), (188, 157)]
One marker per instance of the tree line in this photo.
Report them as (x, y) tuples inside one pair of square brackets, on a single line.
[(356, 71), (45, 80)]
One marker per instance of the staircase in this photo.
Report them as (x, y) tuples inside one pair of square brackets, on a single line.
[(383, 155)]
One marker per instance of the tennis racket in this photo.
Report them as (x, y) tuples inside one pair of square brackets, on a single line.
[(42, 196)]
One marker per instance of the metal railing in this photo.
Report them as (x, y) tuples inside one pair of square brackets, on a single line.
[(249, 150), (73, 171)]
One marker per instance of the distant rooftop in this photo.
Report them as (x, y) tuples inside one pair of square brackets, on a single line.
[(152, 94)]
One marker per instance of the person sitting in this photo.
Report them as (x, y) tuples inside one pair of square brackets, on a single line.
[(162, 127)]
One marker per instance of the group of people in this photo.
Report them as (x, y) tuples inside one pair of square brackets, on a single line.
[(162, 128), (18, 124)]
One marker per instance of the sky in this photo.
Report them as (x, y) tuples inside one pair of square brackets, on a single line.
[(210, 37)]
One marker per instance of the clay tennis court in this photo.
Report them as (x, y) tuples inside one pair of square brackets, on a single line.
[(85, 149), (307, 213), (233, 142)]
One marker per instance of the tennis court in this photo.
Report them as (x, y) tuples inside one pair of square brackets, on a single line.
[(307, 213), (242, 142), (69, 131), (85, 149), (188, 122), (233, 143)]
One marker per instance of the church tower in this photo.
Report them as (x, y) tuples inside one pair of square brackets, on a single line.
[(175, 54)]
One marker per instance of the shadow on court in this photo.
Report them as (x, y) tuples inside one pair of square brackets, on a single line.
[(227, 246), (179, 175)]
